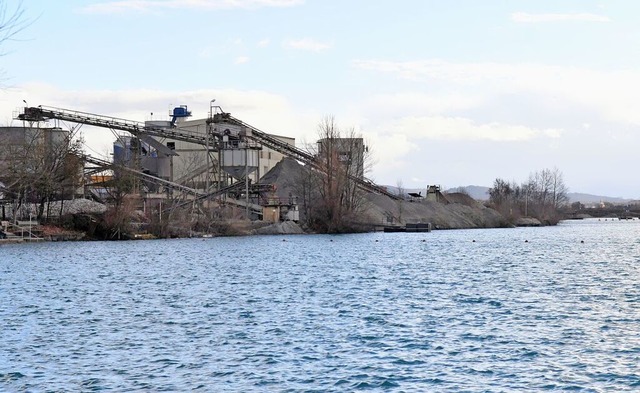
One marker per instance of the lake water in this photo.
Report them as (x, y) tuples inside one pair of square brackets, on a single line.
[(528, 309)]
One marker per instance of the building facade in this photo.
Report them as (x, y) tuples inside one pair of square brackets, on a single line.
[(189, 164)]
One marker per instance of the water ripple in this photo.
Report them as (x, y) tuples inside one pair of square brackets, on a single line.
[(380, 312)]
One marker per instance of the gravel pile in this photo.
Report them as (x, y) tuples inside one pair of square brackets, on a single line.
[(462, 211), (383, 210), (280, 228), (77, 206), (286, 176)]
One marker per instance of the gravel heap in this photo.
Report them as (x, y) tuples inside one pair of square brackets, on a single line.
[(385, 211), (77, 206), (285, 175), (280, 228), (462, 211)]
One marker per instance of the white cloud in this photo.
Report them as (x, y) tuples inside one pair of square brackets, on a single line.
[(613, 95), (264, 43), (206, 53), (241, 60), (398, 142), (224, 48), (524, 17), (307, 44), (458, 128), (110, 7), (266, 111), (420, 103), (389, 149), (553, 133)]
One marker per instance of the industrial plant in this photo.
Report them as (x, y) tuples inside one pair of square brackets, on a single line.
[(205, 165)]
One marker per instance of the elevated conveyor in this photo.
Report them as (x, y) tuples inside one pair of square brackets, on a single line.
[(197, 195), (304, 157), (146, 176), (42, 113)]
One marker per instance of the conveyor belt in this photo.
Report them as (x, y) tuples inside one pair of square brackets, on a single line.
[(42, 113)]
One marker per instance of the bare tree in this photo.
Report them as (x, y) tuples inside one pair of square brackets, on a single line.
[(547, 194), (541, 196), (335, 202), (12, 21), (560, 190), (39, 164), (503, 196)]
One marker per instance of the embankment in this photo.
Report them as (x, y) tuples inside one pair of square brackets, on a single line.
[(458, 212)]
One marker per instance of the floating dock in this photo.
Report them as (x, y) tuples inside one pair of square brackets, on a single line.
[(409, 227)]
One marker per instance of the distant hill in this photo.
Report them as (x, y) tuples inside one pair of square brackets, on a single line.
[(588, 198), (481, 193)]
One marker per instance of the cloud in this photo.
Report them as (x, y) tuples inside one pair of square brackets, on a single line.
[(264, 43), (524, 17), (612, 95), (307, 44), (123, 6), (241, 60), (389, 149), (267, 111), (420, 102), (224, 48), (458, 128), (403, 141)]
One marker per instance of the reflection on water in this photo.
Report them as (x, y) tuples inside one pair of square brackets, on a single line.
[(476, 310)]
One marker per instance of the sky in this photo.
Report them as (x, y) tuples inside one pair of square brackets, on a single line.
[(453, 93)]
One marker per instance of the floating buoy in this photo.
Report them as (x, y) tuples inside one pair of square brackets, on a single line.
[(526, 241), (582, 241)]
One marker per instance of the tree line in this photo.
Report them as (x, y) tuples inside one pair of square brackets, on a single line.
[(331, 201), (542, 196)]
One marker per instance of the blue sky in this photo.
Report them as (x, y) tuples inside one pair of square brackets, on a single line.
[(445, 92)]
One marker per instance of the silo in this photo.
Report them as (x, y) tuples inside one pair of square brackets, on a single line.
[(240, 160)]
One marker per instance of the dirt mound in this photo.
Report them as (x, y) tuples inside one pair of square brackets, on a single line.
[(286, 176), (462, 211), (280, 228), (461, 198), (382, 210)]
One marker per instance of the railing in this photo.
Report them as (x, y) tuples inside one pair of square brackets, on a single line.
[(42, 113), (307, 158), (20, 228)]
